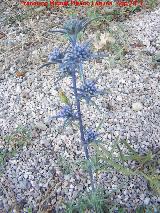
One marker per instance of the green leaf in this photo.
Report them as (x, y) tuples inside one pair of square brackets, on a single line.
[(120, 152), (121, 210), (29, 210), (129, 147), (2, 157), (97, 107), (100, 124), (12, 153), (39, 9), (156, 58)]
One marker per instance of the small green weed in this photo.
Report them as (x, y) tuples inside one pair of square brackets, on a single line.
[(151, 3), (65, 165), (13, 142), (100, 202), (19, 17), (146, 164), (90, 202)]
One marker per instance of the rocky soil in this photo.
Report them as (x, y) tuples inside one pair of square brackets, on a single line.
[(28, 97)]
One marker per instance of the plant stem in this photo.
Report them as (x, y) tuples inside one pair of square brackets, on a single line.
[(84, 144)]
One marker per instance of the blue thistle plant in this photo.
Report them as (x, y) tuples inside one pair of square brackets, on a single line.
[(90, 135), (70, 63)]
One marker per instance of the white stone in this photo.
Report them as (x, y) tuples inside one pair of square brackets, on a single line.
[(18, 89), (14, 162), (119, 98), (44, 142), (71, 186), (41, 126), (146, 200), (142, 196), (25, 176), (67, 177), (137, 106)]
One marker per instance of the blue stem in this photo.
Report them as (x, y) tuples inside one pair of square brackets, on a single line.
[(84, 143)]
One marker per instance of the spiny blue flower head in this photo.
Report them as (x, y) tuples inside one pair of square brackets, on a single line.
[(55, 55), (82, 51), (74, 56), (90, 135), (67, 112), (67, 67), (89, 87)]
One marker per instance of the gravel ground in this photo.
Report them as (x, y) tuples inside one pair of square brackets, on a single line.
[(131, 109)]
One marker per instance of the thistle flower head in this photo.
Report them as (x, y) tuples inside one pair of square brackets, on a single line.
[(55, 55), (89, 87), (82, 51), (67, 112), (90, 135), (67, 67), (89, 90)]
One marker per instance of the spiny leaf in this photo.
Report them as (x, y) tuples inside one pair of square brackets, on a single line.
[(120, 152), (129, 147), (58, 31), (45, 65), (100, 124), (97, 107)]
